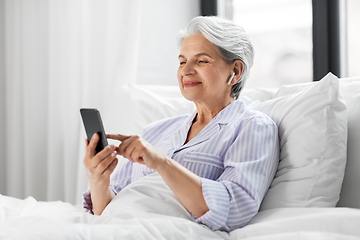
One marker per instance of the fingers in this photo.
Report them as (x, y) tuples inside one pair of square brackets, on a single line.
[(106, 163), (102, 164), (91, 146), (101, 161), (117, 137), (111, 167), (133, 148), (104, 156), (128, 147)]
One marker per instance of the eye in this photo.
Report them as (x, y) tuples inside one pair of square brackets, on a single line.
[(203, 61), (182, 63)]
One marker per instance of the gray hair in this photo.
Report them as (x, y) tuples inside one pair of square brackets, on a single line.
[(230, 39)]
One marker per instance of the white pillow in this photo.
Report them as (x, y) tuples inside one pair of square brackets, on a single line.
[(153, 103), (350, 191), (257, 94), (135, 106), (312, 129), (350, 88), (313, 133)]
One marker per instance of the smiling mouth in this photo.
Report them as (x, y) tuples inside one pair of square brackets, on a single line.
[(191, 84)]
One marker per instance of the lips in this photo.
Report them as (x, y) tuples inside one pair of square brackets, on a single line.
[(188, 84)]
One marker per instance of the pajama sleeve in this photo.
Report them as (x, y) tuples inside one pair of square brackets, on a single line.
[(249, 167)]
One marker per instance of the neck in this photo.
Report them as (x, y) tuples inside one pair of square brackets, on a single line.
[(206, 112)]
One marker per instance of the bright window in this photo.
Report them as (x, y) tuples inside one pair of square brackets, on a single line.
[(353, 38), (281, 32)]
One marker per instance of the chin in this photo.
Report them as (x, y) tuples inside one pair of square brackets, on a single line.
[(189, 96)]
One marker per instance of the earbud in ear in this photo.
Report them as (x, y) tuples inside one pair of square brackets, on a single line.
[(231, 78)]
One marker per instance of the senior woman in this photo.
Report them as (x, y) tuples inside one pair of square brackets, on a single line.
[(218, 161)]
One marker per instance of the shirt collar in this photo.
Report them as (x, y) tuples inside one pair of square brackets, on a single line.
[(229, 112), (223, 117)]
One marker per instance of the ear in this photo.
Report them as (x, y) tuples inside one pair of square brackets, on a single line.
[(238, 68)]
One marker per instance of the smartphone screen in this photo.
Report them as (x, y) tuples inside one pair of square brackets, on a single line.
[(93, 124)]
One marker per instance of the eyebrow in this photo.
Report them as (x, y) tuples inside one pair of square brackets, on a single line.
[(197, 55)]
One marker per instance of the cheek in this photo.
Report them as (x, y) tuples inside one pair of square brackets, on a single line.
[(220, 74), (179, 76), (211, 76)]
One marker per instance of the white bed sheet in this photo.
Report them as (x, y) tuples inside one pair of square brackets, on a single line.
[(302, 223), (148, 210)]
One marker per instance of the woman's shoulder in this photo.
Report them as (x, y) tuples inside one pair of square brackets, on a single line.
[(250, 114)]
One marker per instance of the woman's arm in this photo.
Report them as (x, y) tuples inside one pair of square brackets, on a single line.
[(185, 184), (231, 200), (99, 167), (250, 164)]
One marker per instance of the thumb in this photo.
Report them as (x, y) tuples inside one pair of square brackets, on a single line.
[(93, 143)]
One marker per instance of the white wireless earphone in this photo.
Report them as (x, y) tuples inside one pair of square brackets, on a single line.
[(231, 78)]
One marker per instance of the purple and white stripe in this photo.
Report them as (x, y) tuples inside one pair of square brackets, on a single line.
[(236, 155)]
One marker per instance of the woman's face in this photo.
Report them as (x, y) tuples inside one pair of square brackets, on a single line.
[(202, 73)]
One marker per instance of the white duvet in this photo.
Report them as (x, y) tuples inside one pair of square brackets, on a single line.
[(147, 209)]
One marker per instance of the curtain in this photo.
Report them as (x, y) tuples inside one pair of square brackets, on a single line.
[(60, 55)]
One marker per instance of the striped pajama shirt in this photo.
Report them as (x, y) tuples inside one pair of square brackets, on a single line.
[(236, 155)]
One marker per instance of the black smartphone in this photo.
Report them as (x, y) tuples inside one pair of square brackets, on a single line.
[(93, 124)]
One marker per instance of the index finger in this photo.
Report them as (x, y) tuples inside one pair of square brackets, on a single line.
[(117, 137)]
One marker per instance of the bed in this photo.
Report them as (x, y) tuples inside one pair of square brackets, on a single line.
[(314, 194)]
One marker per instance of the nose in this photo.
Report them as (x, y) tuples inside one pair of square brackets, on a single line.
[(187, 69)]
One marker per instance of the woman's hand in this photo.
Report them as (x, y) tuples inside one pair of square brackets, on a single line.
[(136, 149), (184, 184), (99, 167)]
